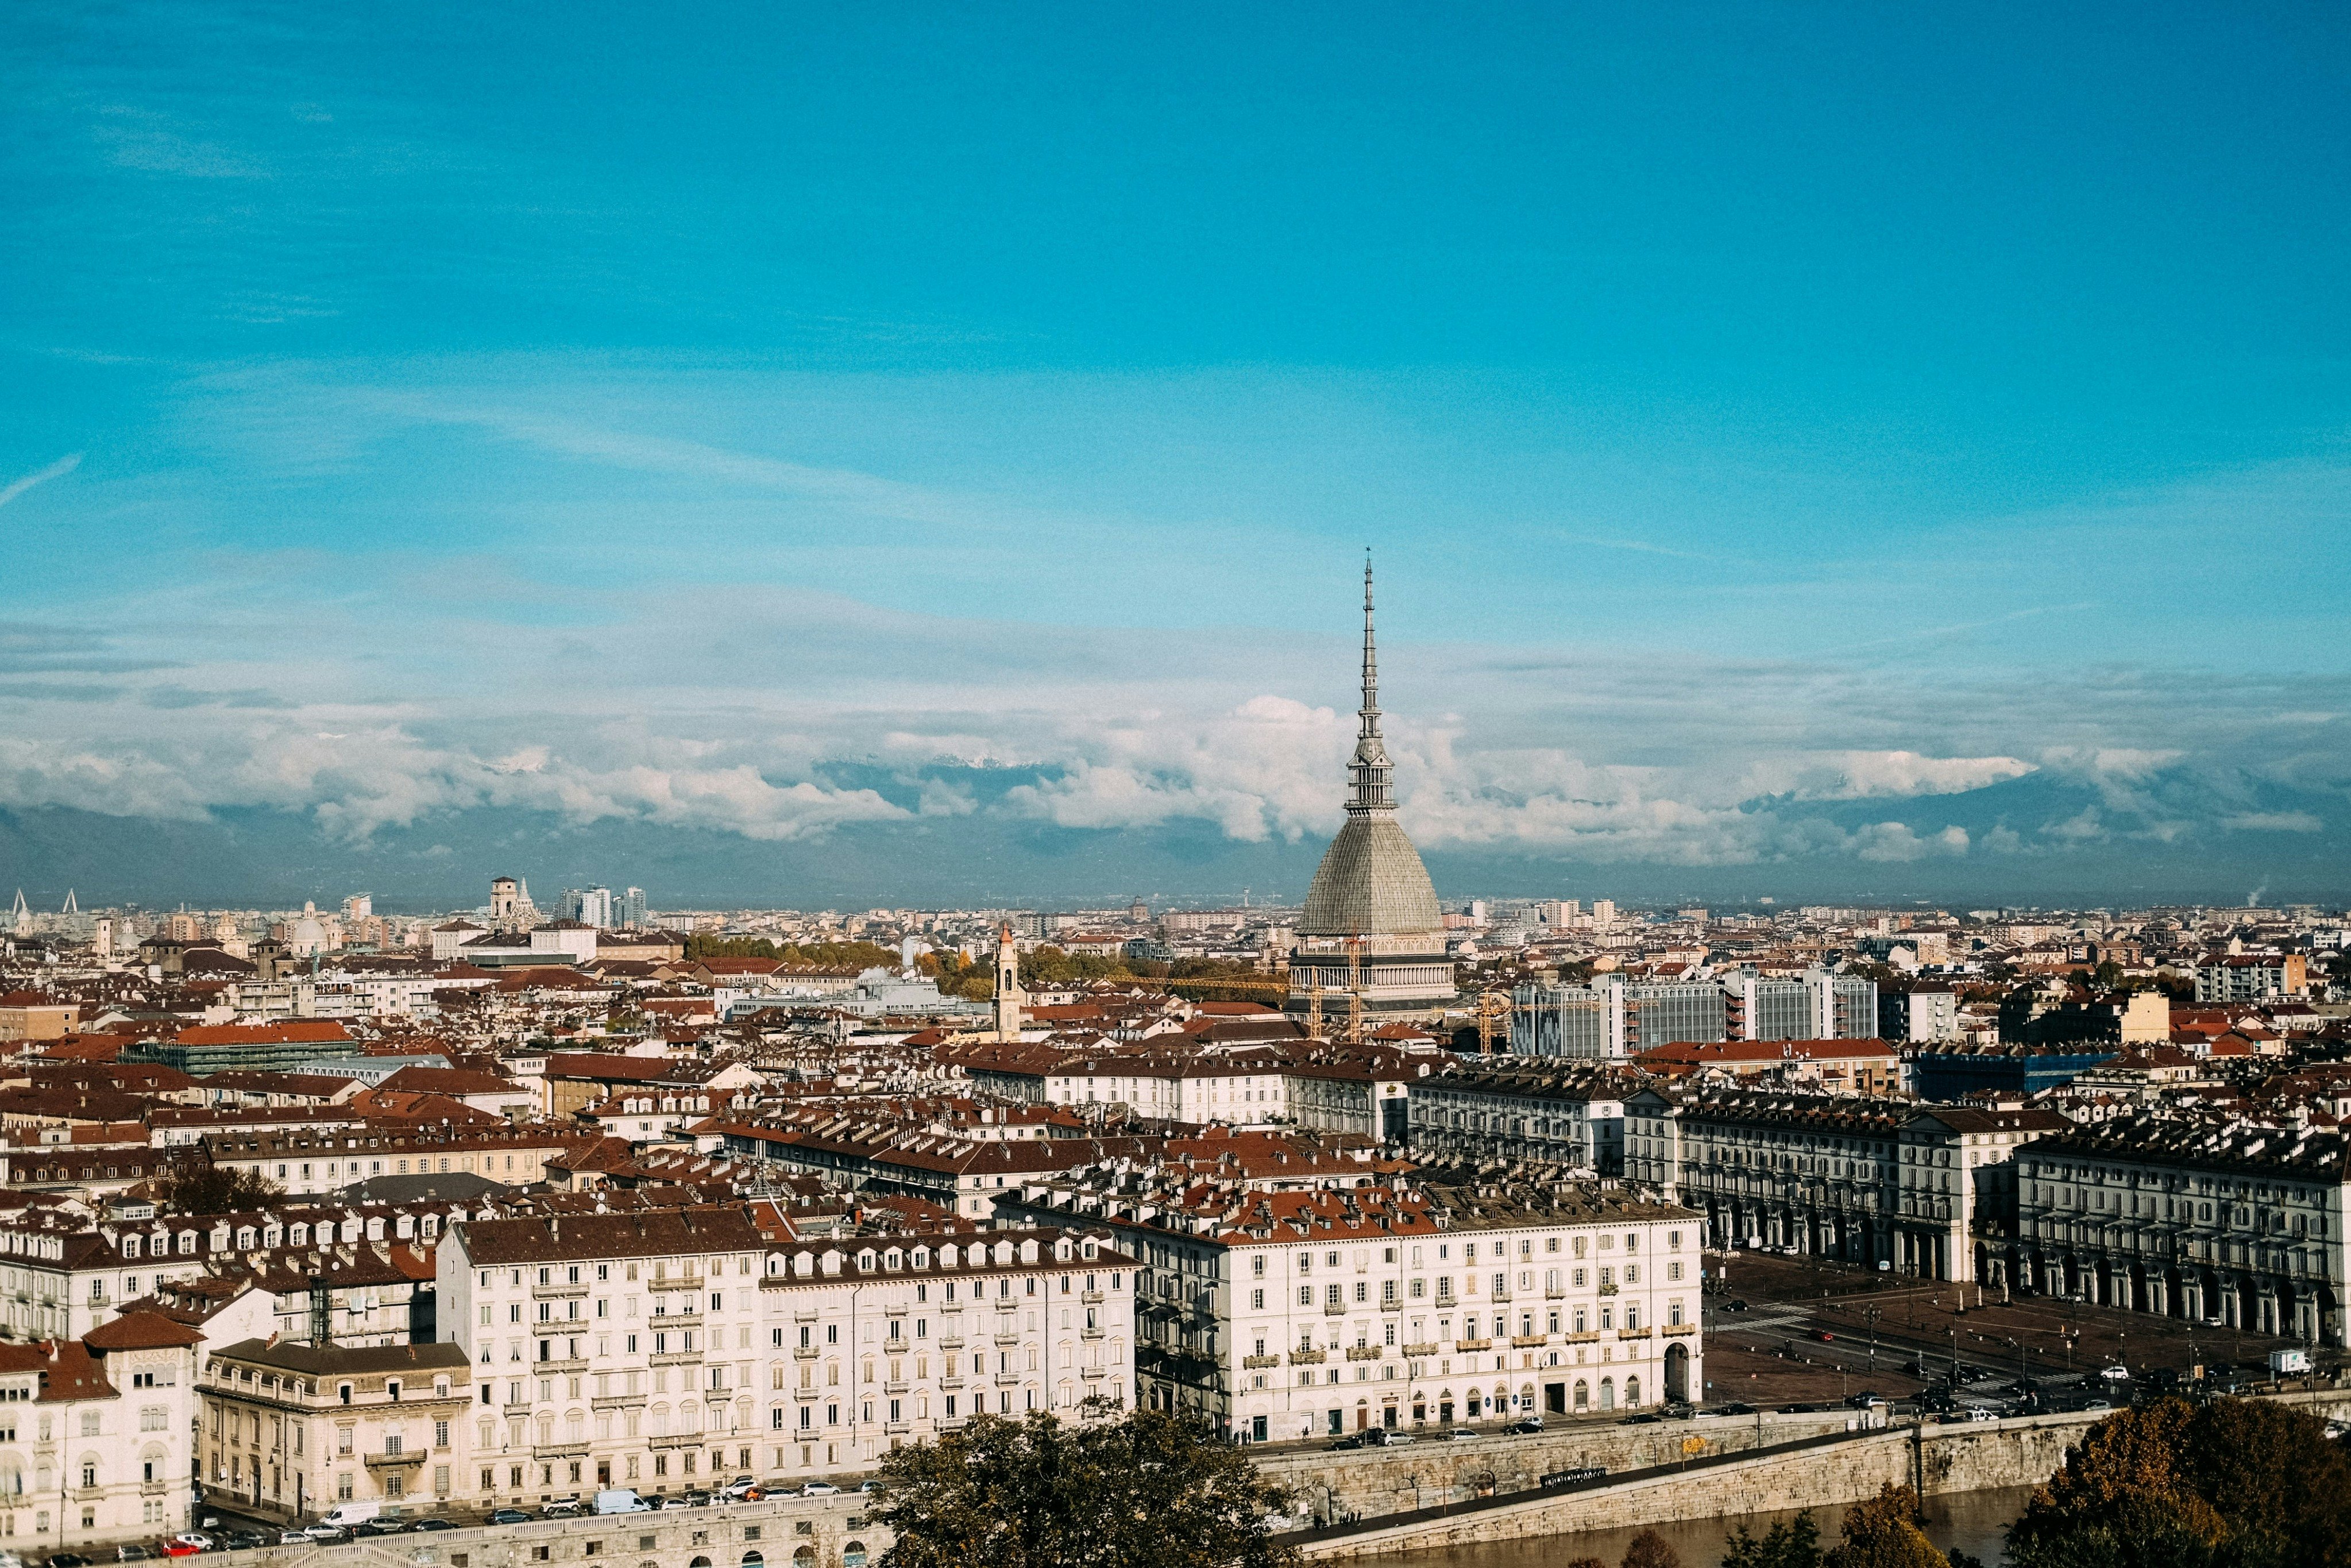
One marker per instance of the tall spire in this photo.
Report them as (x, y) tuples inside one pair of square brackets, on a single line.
[(1370, 772)]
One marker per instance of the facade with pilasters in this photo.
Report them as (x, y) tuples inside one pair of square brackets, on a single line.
[(2223, 1223)]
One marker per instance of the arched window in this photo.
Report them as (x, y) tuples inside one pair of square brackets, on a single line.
[(804, 1558), (752, 1560), (853, 1556), (1608, 1394), (1632, 1391), (1582, 1395)]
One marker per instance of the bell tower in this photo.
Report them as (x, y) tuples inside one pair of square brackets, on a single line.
[(1008, 995)]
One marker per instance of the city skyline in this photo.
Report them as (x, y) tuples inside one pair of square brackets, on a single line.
[(1894, 459)]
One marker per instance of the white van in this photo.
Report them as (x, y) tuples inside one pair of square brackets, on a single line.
[(621, 1501), (346, 1514)]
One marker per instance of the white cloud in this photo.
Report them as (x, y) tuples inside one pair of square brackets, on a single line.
[(2273, 822)]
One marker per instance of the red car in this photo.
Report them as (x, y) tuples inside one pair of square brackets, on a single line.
[(180, 1546), (1824, 1336)]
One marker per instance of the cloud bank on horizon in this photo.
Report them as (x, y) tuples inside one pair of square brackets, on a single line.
[(903, 456)]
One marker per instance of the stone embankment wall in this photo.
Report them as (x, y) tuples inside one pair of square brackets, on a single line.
[(1368, 1482), (1974, 1457)]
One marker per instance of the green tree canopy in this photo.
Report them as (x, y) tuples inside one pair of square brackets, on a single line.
[(1035, 1493), (191, 1184), (2233, 1484), (1791, 1543)]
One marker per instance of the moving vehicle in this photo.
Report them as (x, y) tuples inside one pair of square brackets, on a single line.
[(509, 1516), (383, 1526), (1735, 1304), (697, 1498), (1826, 1336), (324, 1531), (350, 1513), (134, 1552), (820, 1489), (660, 1503), (742, 1488), (1341, 1445), (1978, 1413), (1525, 1425), (173, 1546), (1381, 1438), (2122, 1374), (620, 1500), (424, 1525), (569, 1508), (1460, 1434)]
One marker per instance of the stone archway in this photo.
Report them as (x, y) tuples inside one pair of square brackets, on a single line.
[(1678, 1371)]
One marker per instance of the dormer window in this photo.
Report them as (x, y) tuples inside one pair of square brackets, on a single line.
[(130, 1247)]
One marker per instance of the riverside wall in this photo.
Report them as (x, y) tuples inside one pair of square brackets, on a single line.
[(1828, 1473)]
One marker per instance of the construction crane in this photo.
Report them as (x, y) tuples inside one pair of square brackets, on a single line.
[(1493, 1007)]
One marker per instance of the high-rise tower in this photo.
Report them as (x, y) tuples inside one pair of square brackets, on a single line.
[(1370, 926)]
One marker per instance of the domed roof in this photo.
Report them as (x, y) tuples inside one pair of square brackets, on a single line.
[(1371, 881), (1371, 884)]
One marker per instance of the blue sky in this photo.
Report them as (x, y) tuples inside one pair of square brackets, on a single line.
[(811, 451)]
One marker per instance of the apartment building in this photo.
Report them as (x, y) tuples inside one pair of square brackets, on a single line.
[(2223, 1223), (317, 1162), (664, 1350), (1278, 1315), (1570, 1115), (2252, 978), (289, 1428), (95, 1434), (1926, 1189)]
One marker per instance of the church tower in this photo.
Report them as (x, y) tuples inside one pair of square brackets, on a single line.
[(1008, 995)]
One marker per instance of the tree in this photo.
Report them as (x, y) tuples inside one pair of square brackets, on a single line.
[(1791, 1543), (1883, 1533), (191, 1184), (1650, 1550), (1036, 1493), (2234, 1484)]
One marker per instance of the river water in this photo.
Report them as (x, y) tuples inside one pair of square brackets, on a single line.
[(1973, 1521)]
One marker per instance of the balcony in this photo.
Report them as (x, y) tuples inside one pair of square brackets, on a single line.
[(1633, 1333), (394, 1461), (1554, 1293), (671, 1358), (1090, 1297), (1089, 1334), (545, 1368), (1008, 1380), (560, 1450), (560, 1290), (1254, 1362), (898, 1386), (611, 1401), (1469, 1344), (1362, 1352), (951, 1341), (804, 1352), (1334, 1309), (1008, 1339), (518, 1409), (675, 1320), (1675, 1331), (1094, 1374), (674, 1440), (1527, 1341), (1426, 1347), (1308, 1357)]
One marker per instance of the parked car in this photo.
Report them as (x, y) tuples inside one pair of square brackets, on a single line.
[(660, 1503), (197, 1538), (1340, 1445), (69, 1559), (251, 1540), (509, 1516), (1826, 1336), (872, 1488), (2116, 1374), (1734, 1407), (134, 1552), (285, 1538), (380, 1527), (1981, 1413), (1523, 1425), (569, 1508), (741, 1488), (820, 1489), (1460, 1434), (173, 1546), (1734, 1305), (322, 1531), (2096, 1406), (1641, 1418), (424, 1525), (697, 1498)]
